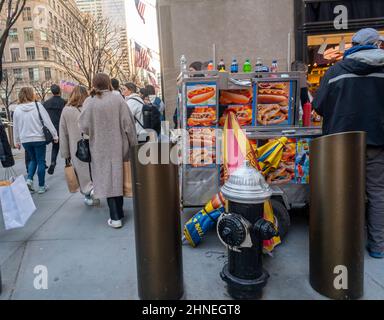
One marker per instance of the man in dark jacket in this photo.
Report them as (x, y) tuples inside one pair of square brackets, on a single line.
[(54, 107), (351, 98)]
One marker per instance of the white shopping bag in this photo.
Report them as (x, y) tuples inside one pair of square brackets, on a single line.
[(16, 203)]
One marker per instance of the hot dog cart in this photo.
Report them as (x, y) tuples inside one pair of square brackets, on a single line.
[(267, 107)]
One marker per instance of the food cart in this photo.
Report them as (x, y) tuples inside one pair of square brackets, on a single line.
[(267, 107)]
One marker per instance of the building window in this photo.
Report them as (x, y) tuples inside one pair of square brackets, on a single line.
[(28, 34), (13, 37), (33, 74), (18, 74), (27, 14), (50, 18), (55, 22), (43, 35), (48, 75), (31, 54), (46, 53), (15, 54)]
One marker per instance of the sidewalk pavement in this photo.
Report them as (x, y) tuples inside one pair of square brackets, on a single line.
[(88, 260)]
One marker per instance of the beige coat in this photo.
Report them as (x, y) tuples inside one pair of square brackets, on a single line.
[(69, 136), (111, 129)]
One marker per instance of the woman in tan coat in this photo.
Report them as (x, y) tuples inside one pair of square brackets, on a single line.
[(107, 121), (69, 136)]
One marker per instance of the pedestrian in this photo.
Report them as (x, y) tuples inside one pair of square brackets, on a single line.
[(28, 132), (350, 98), (110, 126), (154, 99), (144, 95), (69, 136), (135, 104), (6, 156), (54, 107), (116, 87)]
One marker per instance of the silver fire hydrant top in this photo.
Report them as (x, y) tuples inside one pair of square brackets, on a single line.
[(246, 185)]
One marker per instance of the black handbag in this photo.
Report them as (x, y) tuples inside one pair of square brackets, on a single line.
[(83, 152), (47, 134)]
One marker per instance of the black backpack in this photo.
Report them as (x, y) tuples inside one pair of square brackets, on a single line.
[(151, 117)]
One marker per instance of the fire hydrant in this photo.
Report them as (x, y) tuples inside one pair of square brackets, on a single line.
[(242, 228)]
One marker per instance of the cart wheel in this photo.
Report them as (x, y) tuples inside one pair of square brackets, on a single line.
[(282, 219)]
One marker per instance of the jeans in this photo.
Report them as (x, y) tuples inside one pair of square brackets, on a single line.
[(55, 152), (36, 152), (375, 196), (115, 205)]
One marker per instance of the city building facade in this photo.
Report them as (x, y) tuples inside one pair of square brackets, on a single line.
[(33, 46)]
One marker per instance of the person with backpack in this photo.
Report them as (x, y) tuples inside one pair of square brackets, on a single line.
[(146, 116), (155, 100)]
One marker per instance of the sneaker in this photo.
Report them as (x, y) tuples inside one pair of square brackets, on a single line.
[(115, 223), (30, 185), (51, 169), (42, 190), (89, 201), (376, 255)]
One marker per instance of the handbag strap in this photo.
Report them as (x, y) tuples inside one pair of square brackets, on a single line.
[(40, 117), (141, 125)]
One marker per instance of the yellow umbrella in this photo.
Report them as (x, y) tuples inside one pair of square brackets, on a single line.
[(270, 154)]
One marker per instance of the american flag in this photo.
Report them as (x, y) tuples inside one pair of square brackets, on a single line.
[(141, 57), (153, 81), (140, 6)]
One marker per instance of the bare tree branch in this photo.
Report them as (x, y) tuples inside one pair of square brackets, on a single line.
[(12, 12), (94, 46), (7, 88)]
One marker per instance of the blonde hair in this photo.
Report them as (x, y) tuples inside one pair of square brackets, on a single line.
[(78, 95), (26, 94)]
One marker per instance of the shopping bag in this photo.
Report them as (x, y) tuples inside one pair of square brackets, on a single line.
[(16, 203), (71, 178), (127, 187), (7, 176)]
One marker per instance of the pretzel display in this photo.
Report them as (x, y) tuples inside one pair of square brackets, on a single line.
[(202, 137), (280, 176), (201, 95), (200, 157), (270, 114), (202, 117)]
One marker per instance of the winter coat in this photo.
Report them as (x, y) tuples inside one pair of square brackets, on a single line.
[(6, 156), (351, 95), (111, 130), (54, 107), (69, 136), (27, 126)]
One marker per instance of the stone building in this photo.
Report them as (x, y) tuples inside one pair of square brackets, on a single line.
[(32, 49)]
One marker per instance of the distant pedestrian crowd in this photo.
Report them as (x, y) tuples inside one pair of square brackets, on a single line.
[(110, 118)]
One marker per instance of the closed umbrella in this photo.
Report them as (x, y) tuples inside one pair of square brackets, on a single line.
[(270, 154)]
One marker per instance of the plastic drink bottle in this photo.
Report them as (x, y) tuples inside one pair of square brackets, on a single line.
[(183, 63), (247, 67), (234, 66), (210, 66), (259, 65), (221, 65), (274, 66)]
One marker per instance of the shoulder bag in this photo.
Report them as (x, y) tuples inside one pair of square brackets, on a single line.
[(47, 134)]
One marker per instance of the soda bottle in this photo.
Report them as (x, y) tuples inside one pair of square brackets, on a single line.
[(183, 63), (210, 66), (247, 67), (259, 65), (234, 66), (274, 66), (307, 113), (221, 65)]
